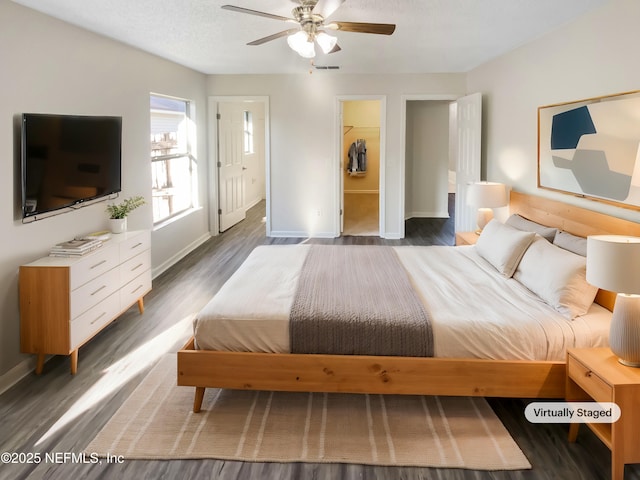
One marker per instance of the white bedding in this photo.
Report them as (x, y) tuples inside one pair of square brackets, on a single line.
[(475, 311)]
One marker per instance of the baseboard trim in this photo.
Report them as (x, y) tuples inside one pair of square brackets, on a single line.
[(17, 373), (392, 236), (179, 255), (253, 204), (409, 215), (376, 192), (286, 234)]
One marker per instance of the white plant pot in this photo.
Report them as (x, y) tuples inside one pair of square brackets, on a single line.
[(118, 225)]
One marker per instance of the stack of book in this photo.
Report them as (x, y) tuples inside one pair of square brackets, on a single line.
[(75, 247)]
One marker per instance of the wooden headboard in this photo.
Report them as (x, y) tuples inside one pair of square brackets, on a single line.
[(575, 220)]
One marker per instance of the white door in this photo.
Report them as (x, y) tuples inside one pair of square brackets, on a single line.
[(230, 165), (468, 164)]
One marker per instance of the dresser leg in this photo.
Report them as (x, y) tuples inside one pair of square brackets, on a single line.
[(74, 362), (39, 363), (573, 432), (617, 470), (141, 305)]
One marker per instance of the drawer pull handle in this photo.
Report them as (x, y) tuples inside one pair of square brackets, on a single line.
[(136, 267), (101, 288), (136, 289), (136, 245), (588, 373), (98, 264), (99, 317)]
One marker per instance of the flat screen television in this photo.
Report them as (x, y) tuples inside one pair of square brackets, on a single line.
[(68, 159)]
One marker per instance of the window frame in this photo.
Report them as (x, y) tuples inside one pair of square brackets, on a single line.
[(187, 154), (248, 138)]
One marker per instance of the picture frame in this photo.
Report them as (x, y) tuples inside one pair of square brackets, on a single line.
[(591, 148)]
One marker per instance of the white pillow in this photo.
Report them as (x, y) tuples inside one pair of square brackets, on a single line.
[(503, 246), (557, 276)]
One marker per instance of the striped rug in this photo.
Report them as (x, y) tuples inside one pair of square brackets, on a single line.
[(156, 422)]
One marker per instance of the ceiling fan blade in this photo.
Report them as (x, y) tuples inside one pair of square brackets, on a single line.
[(358, 27), (233, 8), (327, 7), (260, 41)]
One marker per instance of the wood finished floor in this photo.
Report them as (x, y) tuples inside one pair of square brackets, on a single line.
[(56, 412)]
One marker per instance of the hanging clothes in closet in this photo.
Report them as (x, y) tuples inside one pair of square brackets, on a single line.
[(357, 164)]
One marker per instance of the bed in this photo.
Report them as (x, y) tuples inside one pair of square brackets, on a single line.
[(257, 354)]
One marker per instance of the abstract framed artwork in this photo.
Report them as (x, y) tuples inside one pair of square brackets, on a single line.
[(591, 148)]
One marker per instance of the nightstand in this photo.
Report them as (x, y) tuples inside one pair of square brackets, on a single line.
[(466, 238), (594, 374)]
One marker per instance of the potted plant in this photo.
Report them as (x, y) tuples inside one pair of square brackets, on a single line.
[(118, 213)]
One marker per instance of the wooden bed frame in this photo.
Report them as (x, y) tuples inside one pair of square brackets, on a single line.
[(404, 375)]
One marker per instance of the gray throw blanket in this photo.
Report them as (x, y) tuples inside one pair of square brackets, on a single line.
[(358, 300)]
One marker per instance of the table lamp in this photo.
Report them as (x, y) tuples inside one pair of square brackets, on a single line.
[(486, 196), (613, 263)]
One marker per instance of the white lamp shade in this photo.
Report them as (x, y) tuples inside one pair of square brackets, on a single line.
[(300, 43), (613, 263), (486, 195), (326, 42)]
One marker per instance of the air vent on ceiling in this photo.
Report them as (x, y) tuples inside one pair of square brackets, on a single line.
[(327, 67)]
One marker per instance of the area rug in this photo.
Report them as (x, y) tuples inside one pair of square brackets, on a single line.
[(157, 422)]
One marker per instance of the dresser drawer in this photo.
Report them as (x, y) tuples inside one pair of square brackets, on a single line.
[(86, 325), (590, 382), (93, 265), (135, 289), (134, 267), (135, 245), (93, 292)]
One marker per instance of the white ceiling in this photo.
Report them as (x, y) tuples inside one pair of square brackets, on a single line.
[(431, 35)]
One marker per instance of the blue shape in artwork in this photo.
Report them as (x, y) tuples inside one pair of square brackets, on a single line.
[(567, 128)]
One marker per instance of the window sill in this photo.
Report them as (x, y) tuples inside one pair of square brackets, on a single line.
[(164, 223)]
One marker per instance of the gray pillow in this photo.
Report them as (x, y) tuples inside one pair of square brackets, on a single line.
[(573, 243), (526, 225)]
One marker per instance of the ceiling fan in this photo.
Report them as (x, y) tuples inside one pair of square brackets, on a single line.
[(310, 16)]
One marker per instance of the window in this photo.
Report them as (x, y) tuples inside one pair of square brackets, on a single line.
[(248, 131), (173, 165)]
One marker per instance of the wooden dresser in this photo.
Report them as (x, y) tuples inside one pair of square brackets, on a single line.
[(64, 302)]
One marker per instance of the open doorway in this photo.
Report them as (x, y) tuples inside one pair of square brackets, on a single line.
[(240, 159), (361, 160), (456, 124), (429, 163)]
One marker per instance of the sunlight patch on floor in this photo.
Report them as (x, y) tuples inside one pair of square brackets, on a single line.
[(118, 374)]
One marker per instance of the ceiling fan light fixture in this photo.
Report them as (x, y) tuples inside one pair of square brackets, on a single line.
[(326, 42), (302, 44)]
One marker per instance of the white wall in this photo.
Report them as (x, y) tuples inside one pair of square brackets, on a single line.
[(51, 67), (254, 175), (304, 129), (427, 159), (593, 56)]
